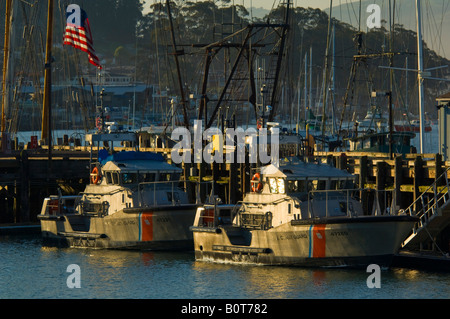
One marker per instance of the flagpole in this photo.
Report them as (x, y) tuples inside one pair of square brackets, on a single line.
[(46, 110)]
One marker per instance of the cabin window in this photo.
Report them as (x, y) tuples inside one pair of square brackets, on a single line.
[(296, 186), (109, 178), (129, 178), (334, 184), (345, 184), (273, 185), (115, 178), (146, 177), (292, 186), (281, 187), (339, 184), (321, 185), (277, 185), (164, 177)]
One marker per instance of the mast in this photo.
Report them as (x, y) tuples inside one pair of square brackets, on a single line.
[(333, 78), (306, 88), (310, 77), (46, 111), (46, 132), (283, 35), (420, 73), (176, 53), (326, 71), (391, 76), (5, 63)]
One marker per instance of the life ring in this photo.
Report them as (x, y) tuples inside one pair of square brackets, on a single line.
[(256, 183), (95, 176)]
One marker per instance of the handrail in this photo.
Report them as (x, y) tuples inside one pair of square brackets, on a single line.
[(343, 192), (428, 206), (174, 201), (171, 186)]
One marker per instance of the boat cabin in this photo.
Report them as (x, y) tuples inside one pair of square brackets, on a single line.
[(379, 142), (294, 191), (133, 180)]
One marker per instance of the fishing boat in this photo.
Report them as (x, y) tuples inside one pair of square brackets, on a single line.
[(298, 214), (413, 126), (134, 201), (374, 121), (380, 142)]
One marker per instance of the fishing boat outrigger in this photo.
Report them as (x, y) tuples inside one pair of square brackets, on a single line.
[(298, 214), (135, 200)]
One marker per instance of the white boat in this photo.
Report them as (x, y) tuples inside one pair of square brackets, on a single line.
[(298, 214), (133, 201), (374, 121)]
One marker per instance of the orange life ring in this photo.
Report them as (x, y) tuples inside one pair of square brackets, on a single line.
[(256, 183), (95, 176)]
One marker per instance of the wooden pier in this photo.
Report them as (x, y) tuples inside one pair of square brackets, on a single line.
[(406, 175), (28, 176)]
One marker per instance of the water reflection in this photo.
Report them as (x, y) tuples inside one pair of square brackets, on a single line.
[(259, 281), (29, 270)]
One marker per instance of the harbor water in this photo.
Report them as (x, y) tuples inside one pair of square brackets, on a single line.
[(29, 270)]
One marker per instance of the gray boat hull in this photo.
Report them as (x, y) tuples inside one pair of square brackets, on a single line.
[(332, 242), (144, 229)]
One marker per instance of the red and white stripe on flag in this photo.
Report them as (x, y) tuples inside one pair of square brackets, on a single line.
[(78, 33)]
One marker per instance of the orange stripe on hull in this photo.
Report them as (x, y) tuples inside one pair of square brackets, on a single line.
[(146, 226), (319, 241)]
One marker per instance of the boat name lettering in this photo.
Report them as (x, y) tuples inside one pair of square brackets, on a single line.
[(339, 233), (163, 219), (293, 236), (122, 222)]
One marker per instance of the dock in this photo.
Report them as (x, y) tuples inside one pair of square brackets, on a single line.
[(29, 176), (431, 261), (20, 229)]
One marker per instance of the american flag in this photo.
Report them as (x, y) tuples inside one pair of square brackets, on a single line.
[(78, 32)]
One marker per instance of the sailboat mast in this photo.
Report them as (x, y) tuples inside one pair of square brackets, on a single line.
[(419, 74), (46, 109), (326, 72), (5, 63)]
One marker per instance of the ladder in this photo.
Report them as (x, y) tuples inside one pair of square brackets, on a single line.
[(433, 209)]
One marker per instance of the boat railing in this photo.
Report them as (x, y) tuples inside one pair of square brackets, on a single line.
[(261, 220), (215, 213), (174, 187), (346, 205), (171, 188)]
